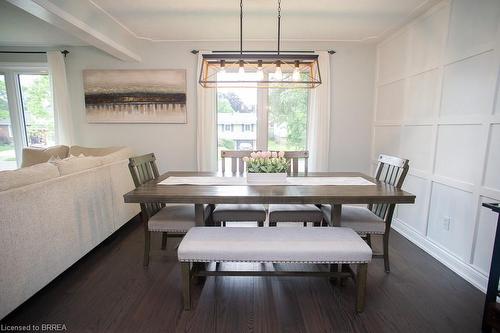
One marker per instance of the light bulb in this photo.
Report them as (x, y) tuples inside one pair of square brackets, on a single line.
[(260, 71), (241, 70), (296, 72), (278, 74)]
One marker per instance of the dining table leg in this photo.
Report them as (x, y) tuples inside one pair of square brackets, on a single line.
[(336, 212), (199, 215)]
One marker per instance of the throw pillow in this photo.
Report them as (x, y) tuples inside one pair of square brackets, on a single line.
[(32, 156)]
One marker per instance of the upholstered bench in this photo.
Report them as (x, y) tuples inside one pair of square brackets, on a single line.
[(321, 245)]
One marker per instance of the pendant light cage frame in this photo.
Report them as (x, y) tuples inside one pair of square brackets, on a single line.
[(263, 69), (223, 70)]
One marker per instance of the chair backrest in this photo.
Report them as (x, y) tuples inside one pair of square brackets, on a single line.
[(392, 171), (143, 169), (295, 156), (236, 157), (238, 165)]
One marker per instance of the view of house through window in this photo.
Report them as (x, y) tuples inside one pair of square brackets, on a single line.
[(239, 111), (237, 118)]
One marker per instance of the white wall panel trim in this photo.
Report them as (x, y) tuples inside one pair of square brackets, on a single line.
[(490, 193), (454, 89), (491, 47)]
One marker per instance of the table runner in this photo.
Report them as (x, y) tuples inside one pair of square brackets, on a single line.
[(242, 181)]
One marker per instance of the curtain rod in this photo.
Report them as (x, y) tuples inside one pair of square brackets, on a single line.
[(198, 51), (65, 52)]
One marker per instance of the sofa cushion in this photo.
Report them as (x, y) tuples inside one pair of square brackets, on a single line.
[(74, 164), (119, 155), (29, 175), (32, 156), (78, 150)]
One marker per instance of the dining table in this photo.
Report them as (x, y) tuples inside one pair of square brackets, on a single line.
[(320, 188)]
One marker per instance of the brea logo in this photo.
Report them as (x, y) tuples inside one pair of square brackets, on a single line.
[(53, 327)]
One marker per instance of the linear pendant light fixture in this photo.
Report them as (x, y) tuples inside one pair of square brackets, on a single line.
[(261, 69)]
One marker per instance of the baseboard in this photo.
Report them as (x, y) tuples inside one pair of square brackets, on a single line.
[(467, 272)]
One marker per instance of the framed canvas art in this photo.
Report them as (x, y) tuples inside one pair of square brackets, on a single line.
[(135, 96)]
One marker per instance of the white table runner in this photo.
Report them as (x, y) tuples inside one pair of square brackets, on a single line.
[(242, 181)]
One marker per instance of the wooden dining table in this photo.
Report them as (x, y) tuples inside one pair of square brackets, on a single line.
[(334, 195)]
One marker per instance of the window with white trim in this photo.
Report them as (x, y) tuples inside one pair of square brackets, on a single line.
[(261, 118), (26, 112)]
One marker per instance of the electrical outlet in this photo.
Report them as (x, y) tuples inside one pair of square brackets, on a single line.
[(446, 223)]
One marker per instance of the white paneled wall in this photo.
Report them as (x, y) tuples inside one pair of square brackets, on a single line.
[(437, 103)]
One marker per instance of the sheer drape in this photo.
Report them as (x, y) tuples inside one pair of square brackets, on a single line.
[(60, 95), (318, 132), (206, 147)]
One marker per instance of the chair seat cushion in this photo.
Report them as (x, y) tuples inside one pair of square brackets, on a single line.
[(295, 213), (173, 218), (239, 212), (294, 245), (360, 219)]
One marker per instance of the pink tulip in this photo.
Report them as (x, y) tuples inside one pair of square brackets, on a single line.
[(246, 159), (281, 154), (274, 154), (253, 154)]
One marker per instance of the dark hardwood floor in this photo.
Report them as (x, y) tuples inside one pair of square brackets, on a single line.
[(109, 291)]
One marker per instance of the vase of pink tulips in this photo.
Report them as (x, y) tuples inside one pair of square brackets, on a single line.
[(266, 167)]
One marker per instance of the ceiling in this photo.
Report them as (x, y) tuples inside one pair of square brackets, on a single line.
[(318, 20), (19, 28)]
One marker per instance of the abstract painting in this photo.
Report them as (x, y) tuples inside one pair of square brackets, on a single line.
[(135, 96)]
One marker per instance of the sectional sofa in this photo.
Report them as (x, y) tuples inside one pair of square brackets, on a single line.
[(53, 213)]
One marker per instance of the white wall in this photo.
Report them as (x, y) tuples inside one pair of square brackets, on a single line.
[(437, 79), (175, 144)]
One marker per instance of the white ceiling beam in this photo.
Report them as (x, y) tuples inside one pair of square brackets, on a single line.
[(88, 23)]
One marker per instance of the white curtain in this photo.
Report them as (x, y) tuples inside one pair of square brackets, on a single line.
[(318, 132), (60, 96), (207, 124)]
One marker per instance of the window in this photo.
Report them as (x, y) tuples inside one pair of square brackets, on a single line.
[(264, 119), (287, 119), (236, 106), (26, 113), (37, 110), (7, 149)]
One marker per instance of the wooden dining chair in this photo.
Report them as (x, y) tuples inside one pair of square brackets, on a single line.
[(237, 212), (296, 212), (375, 219), (172, 220)]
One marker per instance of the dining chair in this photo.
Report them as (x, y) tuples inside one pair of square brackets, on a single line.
[(237, 212), (296, 212), (172, 220), (375, 219)]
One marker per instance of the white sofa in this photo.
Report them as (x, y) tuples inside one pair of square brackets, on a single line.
[(52, 214)]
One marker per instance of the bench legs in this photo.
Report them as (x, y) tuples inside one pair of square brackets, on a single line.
[(187, 274), (186, 284), (164, 237), (361, 287)]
